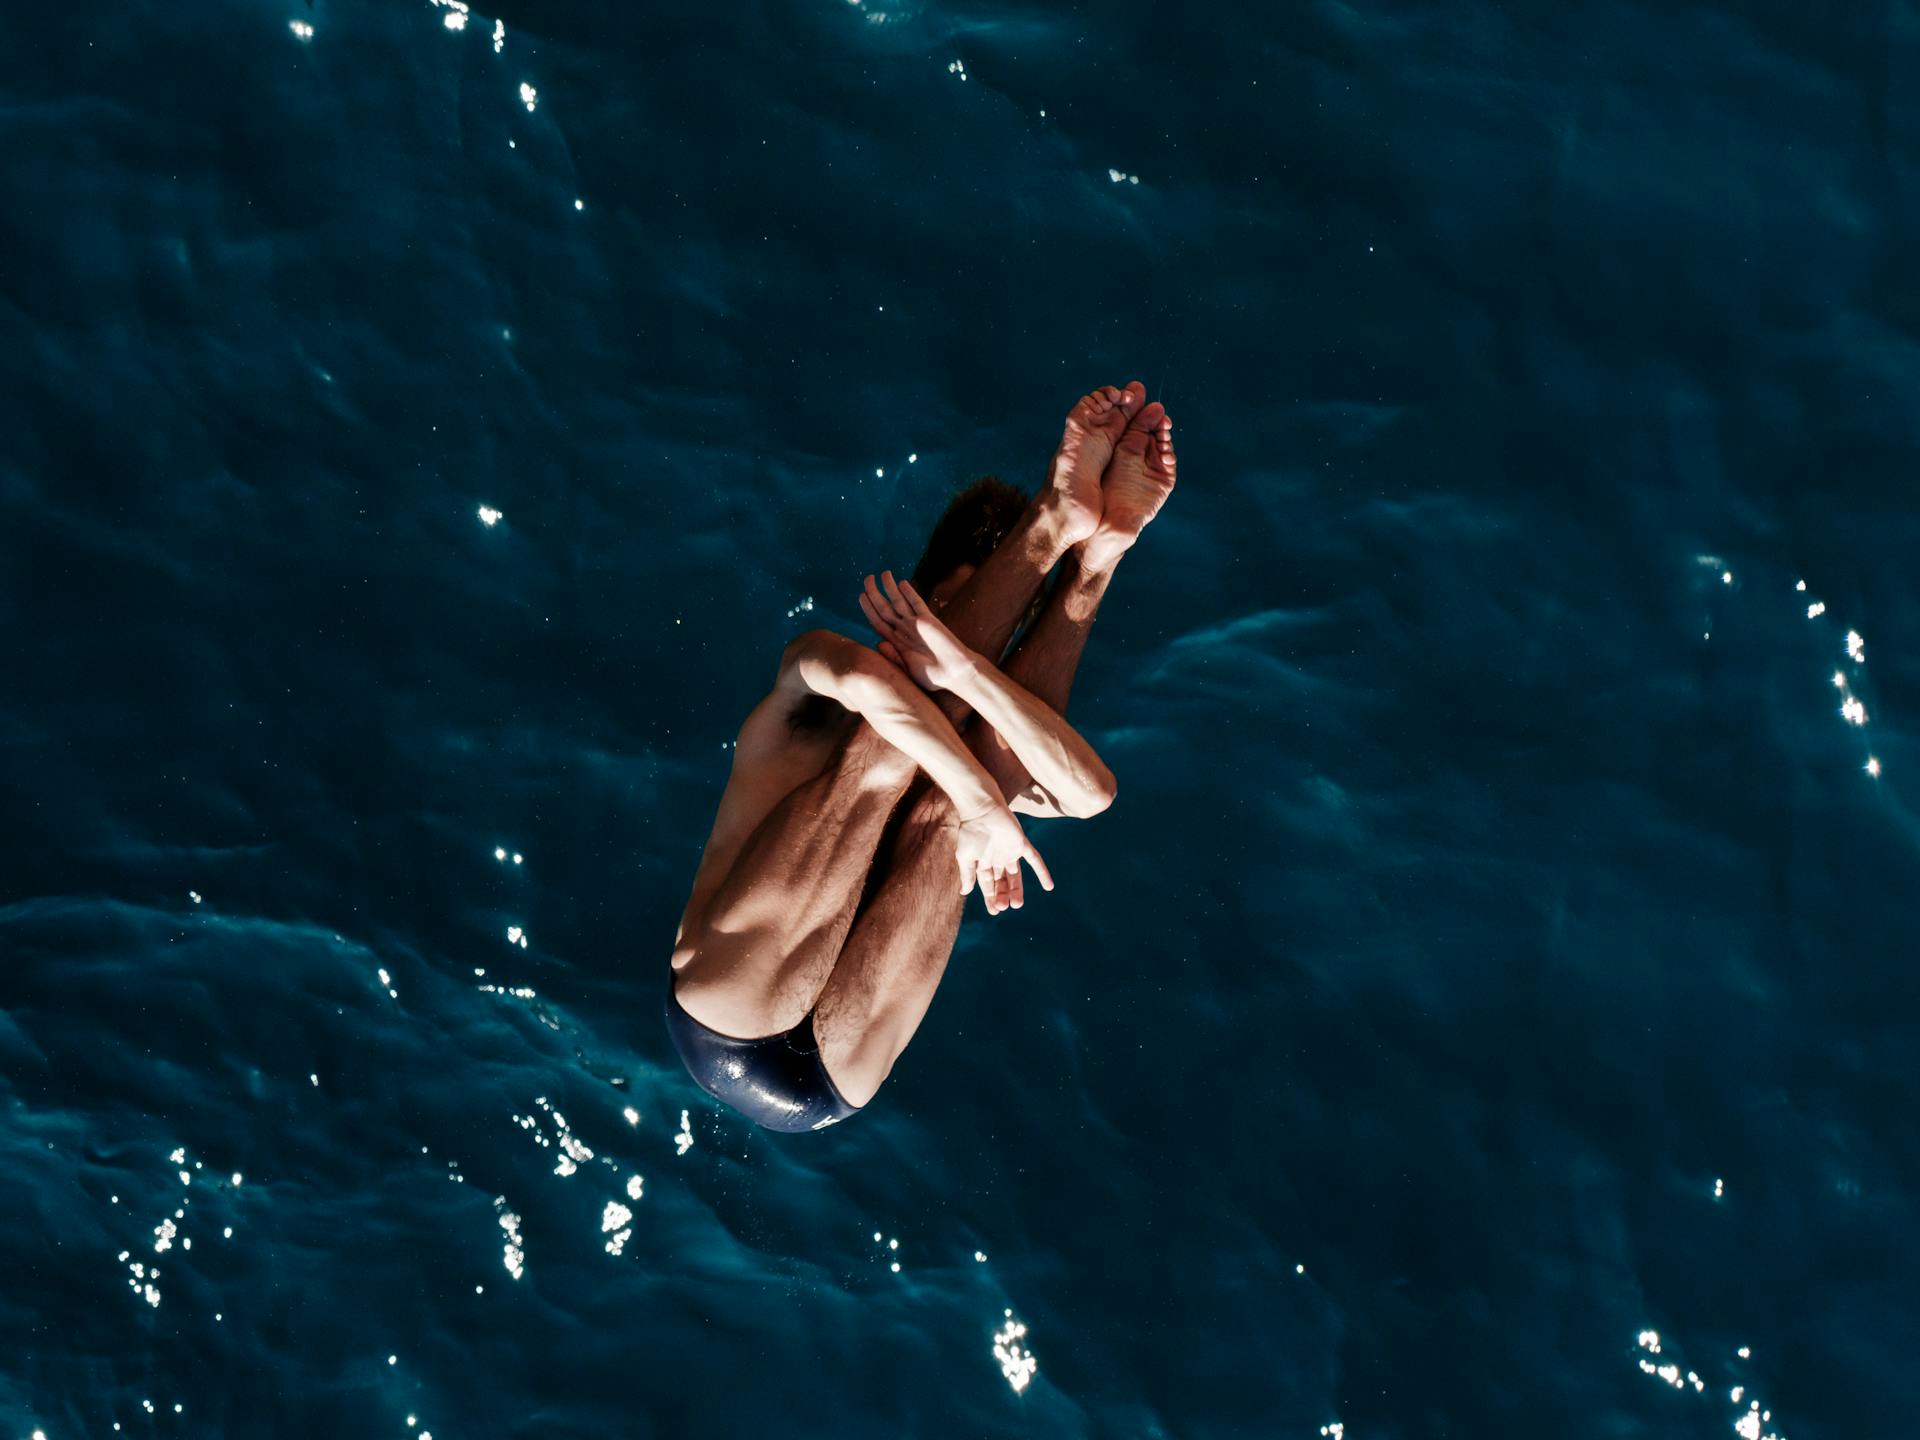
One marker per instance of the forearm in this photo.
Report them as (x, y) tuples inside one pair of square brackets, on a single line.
[(906, 717), (1045, 750)]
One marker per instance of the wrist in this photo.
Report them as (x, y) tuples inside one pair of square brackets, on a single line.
[(978, 809), (968, 679)]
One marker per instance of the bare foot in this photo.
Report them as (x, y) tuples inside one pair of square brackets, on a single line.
[(1135, 486), (1094, 427)]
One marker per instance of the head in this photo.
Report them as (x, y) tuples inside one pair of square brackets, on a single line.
[(975, 521)]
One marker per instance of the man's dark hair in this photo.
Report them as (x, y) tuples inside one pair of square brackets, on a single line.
[(976, 520)]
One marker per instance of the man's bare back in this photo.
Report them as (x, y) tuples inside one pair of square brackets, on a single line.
[(857, 815)]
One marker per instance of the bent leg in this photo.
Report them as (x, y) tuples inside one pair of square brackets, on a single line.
[(985, 610), (893, 960), (1045, 664), (763, 944), (769, 938), (898, 948)]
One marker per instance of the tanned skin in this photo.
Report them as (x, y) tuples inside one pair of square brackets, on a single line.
[(834, 877)]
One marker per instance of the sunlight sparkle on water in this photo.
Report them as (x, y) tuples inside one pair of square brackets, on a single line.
[(499, 36), (515, 1258), (613, 1221), (529, 96), (1853, 711), (301, 29), (1016, 1361), (1816, 609), (1747, 1424), (683, 1141), (1873, 767), (489, 516), (1856, 647)]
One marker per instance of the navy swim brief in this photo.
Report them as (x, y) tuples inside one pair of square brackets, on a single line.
[(777, 1082)]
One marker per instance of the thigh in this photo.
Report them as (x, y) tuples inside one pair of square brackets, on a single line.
[(897, 950), (754, 959)]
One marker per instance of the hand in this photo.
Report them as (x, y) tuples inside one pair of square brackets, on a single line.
[(912, 637), (992, 845)]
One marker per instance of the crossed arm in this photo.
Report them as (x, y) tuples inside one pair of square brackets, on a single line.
[(856, 677), (1053, 770)]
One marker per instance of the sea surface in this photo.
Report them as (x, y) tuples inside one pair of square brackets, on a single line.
[(1491, 1008)]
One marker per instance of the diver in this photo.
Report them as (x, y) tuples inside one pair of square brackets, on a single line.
[(875, 787)]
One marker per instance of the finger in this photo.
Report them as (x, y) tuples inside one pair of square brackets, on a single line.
[(886, 649), (880, 601), (874, 617), (893, 593), (966, 879), (1039, 866), (914, 602), (1015, 892)]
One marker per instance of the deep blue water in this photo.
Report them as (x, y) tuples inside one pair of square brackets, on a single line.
[(1494, 876)]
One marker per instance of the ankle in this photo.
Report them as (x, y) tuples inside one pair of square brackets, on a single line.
[(1097, 556), (1057, 519)]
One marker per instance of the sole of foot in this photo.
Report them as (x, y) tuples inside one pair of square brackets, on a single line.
[(1137, 482), (1094, 428)]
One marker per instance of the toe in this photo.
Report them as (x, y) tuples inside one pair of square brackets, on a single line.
[(1149, 418), (1133, 397)]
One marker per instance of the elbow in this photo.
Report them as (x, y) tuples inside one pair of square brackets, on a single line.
[(1097, 797), (842, 669)]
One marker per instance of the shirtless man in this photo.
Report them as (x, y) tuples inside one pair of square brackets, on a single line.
[(859, 814)]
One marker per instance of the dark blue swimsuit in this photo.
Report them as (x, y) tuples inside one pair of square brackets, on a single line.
[(777, 1082)]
